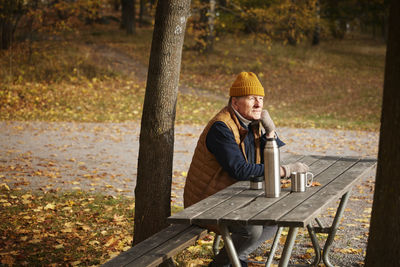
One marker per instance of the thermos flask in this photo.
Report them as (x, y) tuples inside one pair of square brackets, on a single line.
[(272, 169)]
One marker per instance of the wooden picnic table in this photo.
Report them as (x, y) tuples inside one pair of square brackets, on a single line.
[(240, 204)]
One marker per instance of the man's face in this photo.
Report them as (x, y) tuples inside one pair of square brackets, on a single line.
[(249, 107)]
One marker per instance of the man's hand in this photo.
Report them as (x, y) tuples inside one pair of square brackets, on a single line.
[(267, 122), (294, 167)]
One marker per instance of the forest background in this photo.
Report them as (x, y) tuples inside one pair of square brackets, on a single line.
[(321, 63)]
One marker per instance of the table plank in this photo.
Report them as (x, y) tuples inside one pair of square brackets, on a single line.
[(304, 214), (213, 215), (287, 158), (186, 215), (324, 170), (251, 209)]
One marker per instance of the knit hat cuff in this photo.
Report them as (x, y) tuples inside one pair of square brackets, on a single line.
[(246, 90)]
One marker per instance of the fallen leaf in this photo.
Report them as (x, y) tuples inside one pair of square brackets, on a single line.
[(4, 186), (315, 183), (50, 206), (350, 251), (59, 246)]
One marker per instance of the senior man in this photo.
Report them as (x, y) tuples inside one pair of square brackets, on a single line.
[(230, 150)]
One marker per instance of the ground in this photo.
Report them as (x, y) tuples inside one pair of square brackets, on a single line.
[(103, 157)]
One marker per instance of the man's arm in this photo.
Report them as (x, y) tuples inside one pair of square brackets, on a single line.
[(221, 142)]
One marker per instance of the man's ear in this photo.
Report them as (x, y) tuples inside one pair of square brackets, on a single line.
[(234, 102)]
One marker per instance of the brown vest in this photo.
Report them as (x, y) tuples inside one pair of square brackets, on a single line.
[(206, 176)]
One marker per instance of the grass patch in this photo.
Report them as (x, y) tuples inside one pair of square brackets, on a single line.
[(70, 228), (337, 84), (73, 228)]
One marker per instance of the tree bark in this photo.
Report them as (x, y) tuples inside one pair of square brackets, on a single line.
[(10, 13), (142, 12), (317, 28), (207, 22), (153, 188), (128, 16), (291, 34), (384, 242), (6, 34)]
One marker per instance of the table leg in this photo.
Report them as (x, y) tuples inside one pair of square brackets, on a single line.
[(287, 250), (274, 247), (230, 247), (317, 248), (333, 228)]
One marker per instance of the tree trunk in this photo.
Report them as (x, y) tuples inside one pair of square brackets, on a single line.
[(384, 242), (6, 31), (142, 12), (153, 188), (128, 16), (10, 13), (291, 34), (207, 22), (317, 28)]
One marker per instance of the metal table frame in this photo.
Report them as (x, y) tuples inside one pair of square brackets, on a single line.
[(289, 243)]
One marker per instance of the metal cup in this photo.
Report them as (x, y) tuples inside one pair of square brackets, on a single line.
[(256, 182), (300, 180)]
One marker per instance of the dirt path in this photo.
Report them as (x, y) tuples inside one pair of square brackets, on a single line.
[(92, 156)]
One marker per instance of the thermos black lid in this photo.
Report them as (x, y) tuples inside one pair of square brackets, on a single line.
[(257, 179)]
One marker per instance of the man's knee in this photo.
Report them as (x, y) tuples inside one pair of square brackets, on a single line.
[(269, 231), (251, 232)]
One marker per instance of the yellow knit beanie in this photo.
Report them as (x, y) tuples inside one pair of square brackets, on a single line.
[(246, 83)]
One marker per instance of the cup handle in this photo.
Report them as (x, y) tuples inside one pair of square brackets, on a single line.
[(309, 182)]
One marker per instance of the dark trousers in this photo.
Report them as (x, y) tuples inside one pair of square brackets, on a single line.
[(246, 239)]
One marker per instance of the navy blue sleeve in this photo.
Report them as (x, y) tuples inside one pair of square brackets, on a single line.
[(263, 140), (221, 142)]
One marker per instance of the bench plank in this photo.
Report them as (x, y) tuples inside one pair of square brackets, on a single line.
[(147, 245), (303, 215), (324, 169), (170, 248)]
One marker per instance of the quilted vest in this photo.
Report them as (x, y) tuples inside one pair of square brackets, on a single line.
[(206, 176)]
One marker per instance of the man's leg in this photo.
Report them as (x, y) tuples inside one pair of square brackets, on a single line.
[(246, 239), (267, 232)]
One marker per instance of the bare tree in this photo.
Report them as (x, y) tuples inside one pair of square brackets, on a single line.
[(142, 12), (384, 242), (153, 188), (317, 28), (128, 16), (207, 23), (11, 12)]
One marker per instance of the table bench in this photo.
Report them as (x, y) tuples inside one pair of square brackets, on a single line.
[(159, 247), (238, 204)]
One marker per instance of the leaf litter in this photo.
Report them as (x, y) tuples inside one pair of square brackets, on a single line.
[(39, 160)]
